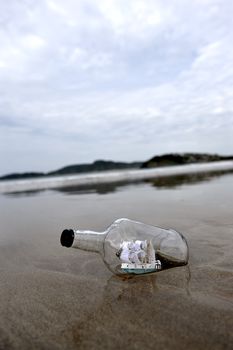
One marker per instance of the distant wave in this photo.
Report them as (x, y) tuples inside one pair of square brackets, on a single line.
[(109, 177)]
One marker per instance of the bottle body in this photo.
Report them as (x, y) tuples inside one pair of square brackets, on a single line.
[(131, 247), (170, 247)]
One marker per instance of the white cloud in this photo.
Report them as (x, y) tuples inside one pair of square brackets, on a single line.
[(33, 42), (88, 60), (57, 7), (151, 76)]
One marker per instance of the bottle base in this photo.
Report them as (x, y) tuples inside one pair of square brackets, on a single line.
[(139, 271)]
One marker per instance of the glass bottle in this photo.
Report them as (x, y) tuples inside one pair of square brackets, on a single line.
[(131, 247)]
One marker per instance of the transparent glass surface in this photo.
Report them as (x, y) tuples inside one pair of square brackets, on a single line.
[(170, 246)]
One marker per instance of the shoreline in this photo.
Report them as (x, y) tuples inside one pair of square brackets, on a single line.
[(105, 177)]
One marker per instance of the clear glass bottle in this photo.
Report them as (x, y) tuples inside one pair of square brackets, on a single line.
[(131, 247)]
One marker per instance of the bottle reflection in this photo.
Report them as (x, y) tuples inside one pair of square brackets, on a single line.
[(138, 307)]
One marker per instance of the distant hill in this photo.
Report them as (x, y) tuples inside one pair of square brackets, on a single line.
[(182, 158), (104, 165), (98, 165), (18, 176)]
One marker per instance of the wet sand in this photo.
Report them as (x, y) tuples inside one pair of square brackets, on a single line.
[(58, 298)]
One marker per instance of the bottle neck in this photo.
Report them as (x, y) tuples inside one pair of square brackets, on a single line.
[(89, 240)]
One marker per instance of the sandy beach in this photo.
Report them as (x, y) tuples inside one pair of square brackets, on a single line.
[(58, 298)]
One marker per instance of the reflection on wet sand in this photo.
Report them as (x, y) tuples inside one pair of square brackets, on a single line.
[(162, 182), (131, 287), (140, 308), (187, 179)]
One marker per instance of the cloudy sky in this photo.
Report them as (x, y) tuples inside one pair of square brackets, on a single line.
[(113, 79)]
